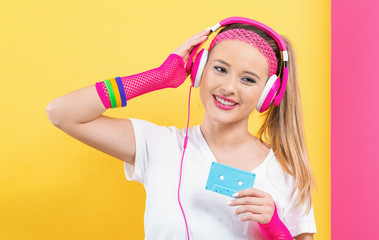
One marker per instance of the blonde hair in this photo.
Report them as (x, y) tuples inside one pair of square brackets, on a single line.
[(283, 130), (283, 126)]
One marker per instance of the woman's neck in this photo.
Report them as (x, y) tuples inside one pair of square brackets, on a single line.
[(225, 135)]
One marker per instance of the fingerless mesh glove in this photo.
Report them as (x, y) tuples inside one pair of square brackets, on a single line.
[(275, 229), (116, 91)]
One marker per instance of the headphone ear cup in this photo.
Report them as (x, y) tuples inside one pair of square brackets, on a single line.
[(269, 92), (198, 67), (189, 63)]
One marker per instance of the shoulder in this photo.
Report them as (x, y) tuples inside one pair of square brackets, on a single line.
[(276, 181), (154, 132), (143, 125), (275, 171), (149, 133)]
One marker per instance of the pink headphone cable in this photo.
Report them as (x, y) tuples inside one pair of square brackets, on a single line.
[(181, 164)]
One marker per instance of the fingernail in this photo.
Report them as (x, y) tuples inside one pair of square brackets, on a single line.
[(204, 37), (235, 194), (229, 202), (208, 28)]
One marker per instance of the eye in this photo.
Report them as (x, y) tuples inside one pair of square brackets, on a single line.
[(249, 80), (220, 69)]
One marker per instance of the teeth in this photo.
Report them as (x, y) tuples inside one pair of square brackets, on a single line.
[(225, 102)]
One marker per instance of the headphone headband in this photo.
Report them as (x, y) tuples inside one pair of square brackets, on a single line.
[(282, 45)]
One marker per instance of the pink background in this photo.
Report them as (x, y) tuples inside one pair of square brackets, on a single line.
[(355, 118)]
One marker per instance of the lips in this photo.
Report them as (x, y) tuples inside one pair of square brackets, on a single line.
[(224, 103), (224, 100)]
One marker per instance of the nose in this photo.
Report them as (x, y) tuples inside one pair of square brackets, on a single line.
[(229, 85)]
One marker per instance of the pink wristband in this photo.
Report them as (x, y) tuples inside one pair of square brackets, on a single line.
[(103, 94), (275, 229)]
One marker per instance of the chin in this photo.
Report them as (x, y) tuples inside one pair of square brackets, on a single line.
[(224, 117)]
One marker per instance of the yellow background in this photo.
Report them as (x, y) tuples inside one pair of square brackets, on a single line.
[(54, 187)]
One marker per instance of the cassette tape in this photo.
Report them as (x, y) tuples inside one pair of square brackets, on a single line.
[(227, 180)]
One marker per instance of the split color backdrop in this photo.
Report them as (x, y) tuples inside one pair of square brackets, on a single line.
[(54, 187), (355, 118)]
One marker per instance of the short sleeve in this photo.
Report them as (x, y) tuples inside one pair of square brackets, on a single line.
[(297, 221), (148, 136)]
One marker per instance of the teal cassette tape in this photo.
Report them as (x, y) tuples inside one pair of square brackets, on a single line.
[(227, 180)]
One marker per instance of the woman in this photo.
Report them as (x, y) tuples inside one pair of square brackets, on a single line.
[(243, 60)]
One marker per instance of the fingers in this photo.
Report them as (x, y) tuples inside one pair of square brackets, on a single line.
[(261, 214), (251, 192), (250, 217), (258, 205), (260, 218), (199, 37), (205, 32), (249, 209), (199, 40), (185, 49), (248, 201), (192, 44)]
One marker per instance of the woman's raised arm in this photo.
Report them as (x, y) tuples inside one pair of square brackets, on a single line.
[(79, 114)]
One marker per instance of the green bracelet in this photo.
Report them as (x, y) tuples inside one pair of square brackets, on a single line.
[(111, 93)]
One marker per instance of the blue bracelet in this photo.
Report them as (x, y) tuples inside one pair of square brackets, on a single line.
[(122, 91)]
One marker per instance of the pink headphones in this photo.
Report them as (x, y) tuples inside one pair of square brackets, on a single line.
[(274, 88)]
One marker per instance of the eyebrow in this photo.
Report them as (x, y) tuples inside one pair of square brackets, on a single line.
[(252, 73)]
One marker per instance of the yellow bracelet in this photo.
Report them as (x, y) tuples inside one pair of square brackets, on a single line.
[(116, 91)]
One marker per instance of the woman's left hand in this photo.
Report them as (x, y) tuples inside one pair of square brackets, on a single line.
[(258, 205), (185, 49)]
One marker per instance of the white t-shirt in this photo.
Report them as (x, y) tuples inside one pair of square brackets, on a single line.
[(159, 152)]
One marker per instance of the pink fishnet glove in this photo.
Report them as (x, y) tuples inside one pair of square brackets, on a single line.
[(275, 229), (170, 74)]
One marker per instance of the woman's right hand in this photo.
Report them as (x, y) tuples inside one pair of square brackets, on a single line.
[(185, 49)]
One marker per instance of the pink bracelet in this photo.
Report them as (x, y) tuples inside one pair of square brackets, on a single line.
[(103, 94)]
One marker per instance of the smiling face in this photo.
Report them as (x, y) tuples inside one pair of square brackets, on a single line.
[(232, 81)]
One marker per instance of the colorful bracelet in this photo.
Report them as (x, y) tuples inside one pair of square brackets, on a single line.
[(122, 91), (103, 94), (116, 92), (111, 93)]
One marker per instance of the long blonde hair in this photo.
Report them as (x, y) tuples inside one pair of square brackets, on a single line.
[(283, 126)]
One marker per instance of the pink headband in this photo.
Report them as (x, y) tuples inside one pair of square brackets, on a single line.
[(250, 38)]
